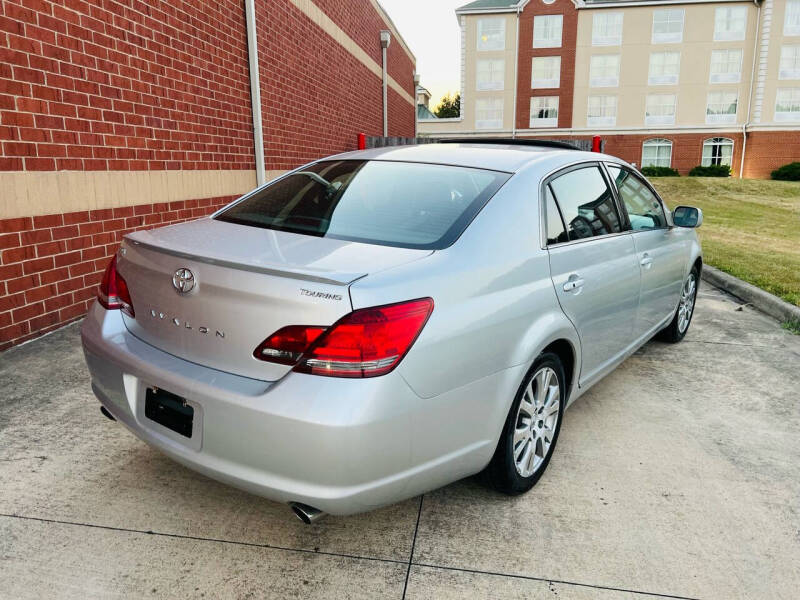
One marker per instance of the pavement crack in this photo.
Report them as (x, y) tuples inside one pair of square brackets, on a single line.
[(413, 546)]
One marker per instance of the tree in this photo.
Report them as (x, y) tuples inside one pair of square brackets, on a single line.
[(449, 107)]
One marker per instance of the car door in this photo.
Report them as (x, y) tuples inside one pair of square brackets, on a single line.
[(660, 252), (593, 264)]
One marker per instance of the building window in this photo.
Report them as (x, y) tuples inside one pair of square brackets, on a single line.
[(492, 34), (488, 113), (657, 153), (717, 151), (790, 63), (668, 26), (791, 22), (545, 72), (491, 73), (544, 111), (660, 109), (547, 31), (602, 111), (604, 70), (606, 28), (729, 23), (726, 66), (787, 105), (721, 107), (664, 68)]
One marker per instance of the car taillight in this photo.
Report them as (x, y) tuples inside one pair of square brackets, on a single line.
[(365, 343), (113, 291)]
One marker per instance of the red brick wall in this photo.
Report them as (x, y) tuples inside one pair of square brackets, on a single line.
[(687, 148), (124, 85), (569, 36), (768, 150), (51, 265), (317, 96), (119, 85)]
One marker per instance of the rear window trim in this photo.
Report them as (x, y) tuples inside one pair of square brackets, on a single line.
[(430, 247)]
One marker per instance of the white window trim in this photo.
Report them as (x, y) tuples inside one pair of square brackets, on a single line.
[(791, 31), (595, 82), (546, 84), (546, 122), (602, 121), (668, 38), (725, 142), (661, 119), (721, 78), (479, 26), (657, 143), (608, 41), (727, 36), (663, 79), (489, 123), (721, 119), (791, 73), (786, 116), (549, 43), (497, 86)]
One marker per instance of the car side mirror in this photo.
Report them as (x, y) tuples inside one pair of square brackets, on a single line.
[(687, 216)]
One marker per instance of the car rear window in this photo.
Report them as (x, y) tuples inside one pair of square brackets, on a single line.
[(409, 205)]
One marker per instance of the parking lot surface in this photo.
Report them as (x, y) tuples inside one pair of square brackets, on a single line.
[(677, 476)]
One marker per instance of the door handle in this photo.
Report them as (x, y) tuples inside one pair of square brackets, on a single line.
[(646, 261), (573, 283)]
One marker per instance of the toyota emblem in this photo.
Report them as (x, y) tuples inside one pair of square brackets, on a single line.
[(183, 281)]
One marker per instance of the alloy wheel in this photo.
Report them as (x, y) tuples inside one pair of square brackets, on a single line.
[(686, 305), (537, 421)]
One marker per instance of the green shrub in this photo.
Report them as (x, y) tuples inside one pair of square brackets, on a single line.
[(660, 172), (711, 171), (790, 172)]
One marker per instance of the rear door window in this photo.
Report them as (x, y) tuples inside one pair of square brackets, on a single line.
[(586, 202), (409, 205), (556, 233)]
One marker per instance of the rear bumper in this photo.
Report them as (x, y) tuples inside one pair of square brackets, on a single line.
[(340, 445)]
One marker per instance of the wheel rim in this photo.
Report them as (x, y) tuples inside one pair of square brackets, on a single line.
[(537, 421), (686, 305)]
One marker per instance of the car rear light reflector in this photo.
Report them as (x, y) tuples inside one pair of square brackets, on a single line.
[(287, 345), (113, 292), (365, 343)]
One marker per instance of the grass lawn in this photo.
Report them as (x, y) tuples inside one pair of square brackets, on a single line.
[(751, 228)]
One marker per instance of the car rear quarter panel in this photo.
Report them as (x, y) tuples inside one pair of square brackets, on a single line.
[(495, 306)]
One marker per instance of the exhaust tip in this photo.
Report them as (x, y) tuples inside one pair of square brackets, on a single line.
[(307, 514), (108, 415)]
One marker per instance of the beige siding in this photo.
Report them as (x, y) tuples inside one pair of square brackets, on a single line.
[(771, 82), (693, 84)]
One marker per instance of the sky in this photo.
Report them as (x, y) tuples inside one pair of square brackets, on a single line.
[(430, 29)]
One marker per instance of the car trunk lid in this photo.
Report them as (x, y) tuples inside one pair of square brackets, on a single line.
[(243, 284)]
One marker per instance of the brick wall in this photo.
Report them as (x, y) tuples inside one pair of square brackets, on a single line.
[(52, 264), (156, 88), (768, 150), (124, 85), (527, 52)]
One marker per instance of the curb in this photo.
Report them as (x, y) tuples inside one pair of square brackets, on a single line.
[(758, 298)]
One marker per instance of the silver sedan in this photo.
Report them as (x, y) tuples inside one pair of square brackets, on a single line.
[(381, 323)]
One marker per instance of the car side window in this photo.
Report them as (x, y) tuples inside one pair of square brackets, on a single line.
[(644, 208), (556, 234), (586, 203)]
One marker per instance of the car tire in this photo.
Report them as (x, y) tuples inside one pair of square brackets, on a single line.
[(676, 330), (510, 471)]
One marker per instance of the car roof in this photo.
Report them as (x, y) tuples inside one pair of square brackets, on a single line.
[(509, 158)]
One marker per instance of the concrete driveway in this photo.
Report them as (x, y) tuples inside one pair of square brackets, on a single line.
[(678, 476)]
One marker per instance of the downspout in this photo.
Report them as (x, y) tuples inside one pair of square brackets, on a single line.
[(255, 89), (516, 74), (756, 46), (386, 38)]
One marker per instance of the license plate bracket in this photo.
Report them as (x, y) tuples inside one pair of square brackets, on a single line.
[(169, 410)]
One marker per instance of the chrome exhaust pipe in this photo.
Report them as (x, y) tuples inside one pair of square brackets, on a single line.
[(104, 410), (307, 514)]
